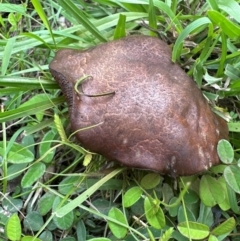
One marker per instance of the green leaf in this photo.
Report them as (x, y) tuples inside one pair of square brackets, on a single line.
[(232, 72), (80, 17), (30, 238), (152, 18), (45, 149), (87, 159), (7, 55), (12, 205), (211, 192), (131, 196), (150, 180), (234, 127), (30, 109), (167, 234), (231, 7), (12, 8), (195, 231), (45, 203), (33, 221), (225, 204), (154, 213), (233, 201), (232, 177), (184, 34), (13, 228), (225, 151), (17, 154), (64, 222), (182, 216), (35, 100), (118, 231), (225, 227), (99, 239), (33, 174), (212, 238), (120, 30), (173, 211), (70, 183), (38, 7), (229, 28), (205, 215), (81, 198), (81, 230)]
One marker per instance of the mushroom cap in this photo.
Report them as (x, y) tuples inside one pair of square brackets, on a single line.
[(154, 116)]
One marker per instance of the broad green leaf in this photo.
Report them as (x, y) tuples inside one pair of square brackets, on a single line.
[(232, 177), (15, 170), (118, 231), (196, 231), (234, 127), (46, 235), (64, 222), (81, 230), (182, 217), (225, 227), (224, 205), (33, 221), (131, 196), (17, 154), (212, 238), (225, 151), (150, 180), (69, 184), (211, 192), (11, 204), (13, 228), (154, 213), (231, 29), (233, 201), (45, 203), (33, 174), (173, 211)]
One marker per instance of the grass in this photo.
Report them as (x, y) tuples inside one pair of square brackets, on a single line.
[(52, 188)]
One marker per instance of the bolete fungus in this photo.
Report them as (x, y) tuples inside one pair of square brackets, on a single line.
[(147, 112)]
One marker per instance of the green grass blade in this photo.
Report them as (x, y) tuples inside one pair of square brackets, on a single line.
[(79, 15), (184, 34), (30, 109), (81, 198), (7, 55), (120, 30)]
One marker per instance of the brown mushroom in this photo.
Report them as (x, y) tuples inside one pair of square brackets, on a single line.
[(148, 113)]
